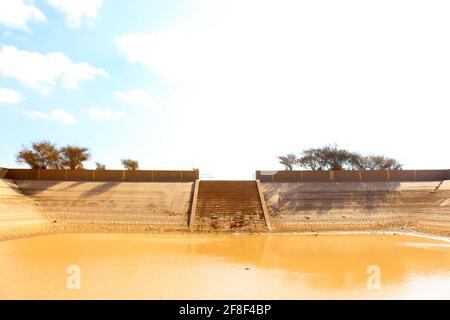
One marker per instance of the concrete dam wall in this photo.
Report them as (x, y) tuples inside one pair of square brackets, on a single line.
[(100, 175), (152, 205), (352, 175), (346, 206), (41, 205), (19, 215), (69, 206)]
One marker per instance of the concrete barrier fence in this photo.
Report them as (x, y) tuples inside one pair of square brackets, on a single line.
[(352, 175), (101, 175), (3, 172)]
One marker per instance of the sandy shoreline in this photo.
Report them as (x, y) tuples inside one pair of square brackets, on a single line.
[(5, 236)]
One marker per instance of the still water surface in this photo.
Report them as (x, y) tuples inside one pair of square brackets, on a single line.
[(287, 266)]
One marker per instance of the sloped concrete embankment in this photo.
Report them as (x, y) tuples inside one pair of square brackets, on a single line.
[(435, 217), (109, 206), (19, 215), (36, 207), (348, 206)]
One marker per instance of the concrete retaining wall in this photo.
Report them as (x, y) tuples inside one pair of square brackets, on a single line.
[(19, 215), (102, 175), (3, 172), (320, 206), (32, 207), (117, 205), (352, 175)]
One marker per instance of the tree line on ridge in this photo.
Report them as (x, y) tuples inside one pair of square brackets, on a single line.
[(46, 155), (331, 157)]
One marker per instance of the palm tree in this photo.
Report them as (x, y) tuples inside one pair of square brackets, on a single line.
[(72, 157)]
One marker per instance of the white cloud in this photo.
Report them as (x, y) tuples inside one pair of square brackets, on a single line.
[(42, 72), (62, 116), (8, 96), (58, 115), (17, 13), (77, 11), (34, 114), (137, 97), (104, 114)]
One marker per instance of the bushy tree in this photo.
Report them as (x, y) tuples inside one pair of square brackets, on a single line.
[(72, 157), (381, 163), (327, 158), (41, 155), (331, 157), (334, 158), (130, 164), (311, 159), (357, 162), (100, 166), (288, 161)]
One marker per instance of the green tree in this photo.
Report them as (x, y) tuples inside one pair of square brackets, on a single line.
[(311, 159), (333, 158), (326, 158), (357, 162), (381, 163), (130, 164), (100, 166), (72, 157), (41, 155), (288, 161)]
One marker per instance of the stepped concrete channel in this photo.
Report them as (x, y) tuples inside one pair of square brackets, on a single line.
[(229, 205), (31, 207)]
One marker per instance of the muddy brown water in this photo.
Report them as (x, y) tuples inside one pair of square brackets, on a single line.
[(199, 266)]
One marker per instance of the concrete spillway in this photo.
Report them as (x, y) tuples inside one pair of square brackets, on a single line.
[(229, 206)]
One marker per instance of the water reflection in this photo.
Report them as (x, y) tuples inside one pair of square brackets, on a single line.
[(195, 266)]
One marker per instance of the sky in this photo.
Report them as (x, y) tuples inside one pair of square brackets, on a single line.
[(226, 86)]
